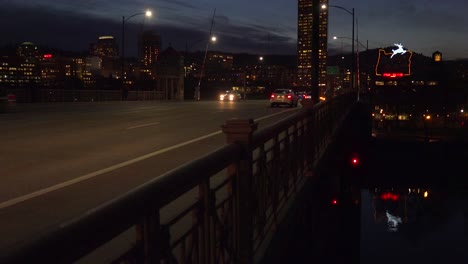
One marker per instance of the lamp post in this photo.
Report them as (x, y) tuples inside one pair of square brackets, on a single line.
[(147, 13), (212, 38), (260, 60), (352, 48), (357, 61), (358, 42), (188, 49)]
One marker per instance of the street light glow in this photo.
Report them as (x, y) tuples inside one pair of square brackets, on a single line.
[(147, 13), (353, 65), (213, 39)]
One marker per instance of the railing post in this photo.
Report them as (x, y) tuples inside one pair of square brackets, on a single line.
[(241, 131), (148, 235)]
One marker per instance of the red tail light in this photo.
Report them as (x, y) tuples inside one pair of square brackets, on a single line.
[(289, 96), (272, 96)]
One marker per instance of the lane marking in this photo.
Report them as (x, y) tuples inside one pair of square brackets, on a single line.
[(149, 124), (58, 186), (99, 172), (147, 109)]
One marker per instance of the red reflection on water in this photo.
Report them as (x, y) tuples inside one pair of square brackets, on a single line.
[(389, 196)]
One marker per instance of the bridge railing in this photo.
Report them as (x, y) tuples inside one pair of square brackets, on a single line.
[(221, 208), (70, 95)]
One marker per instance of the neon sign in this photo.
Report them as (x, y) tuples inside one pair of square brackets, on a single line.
[(393, 74), (47, 56), (395, 63), (400, 50)]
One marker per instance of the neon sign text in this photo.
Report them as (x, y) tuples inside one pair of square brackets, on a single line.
[(393, 75)]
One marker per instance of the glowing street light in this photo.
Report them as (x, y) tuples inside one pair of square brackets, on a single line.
[(189, 48), (147, 13), (358, 42), (213, 39), (357, 59), (352, 48)]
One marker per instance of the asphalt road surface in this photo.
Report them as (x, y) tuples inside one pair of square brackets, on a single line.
[(57, 161)]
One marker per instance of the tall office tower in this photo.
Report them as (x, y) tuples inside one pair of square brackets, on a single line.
[(149, 47), (305, 22), (106, 47), (106, 54)]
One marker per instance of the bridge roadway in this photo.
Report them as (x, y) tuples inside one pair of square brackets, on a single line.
[(405, 202), (60, 160)]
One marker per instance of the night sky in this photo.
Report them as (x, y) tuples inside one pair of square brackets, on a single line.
[(252, 26)]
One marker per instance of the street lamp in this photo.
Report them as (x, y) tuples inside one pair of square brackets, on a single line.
[(352, 48), (147, 13), (335, 38), (189, 48), (213, 39), (357, 41), (260, 60), (357, 60)]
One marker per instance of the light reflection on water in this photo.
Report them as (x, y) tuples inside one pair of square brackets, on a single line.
[(413, 226)]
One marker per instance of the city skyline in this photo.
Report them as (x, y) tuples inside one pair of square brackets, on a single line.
[(264, 27)]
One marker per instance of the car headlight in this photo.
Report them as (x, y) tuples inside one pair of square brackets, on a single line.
[(221, 97), (231, 97)]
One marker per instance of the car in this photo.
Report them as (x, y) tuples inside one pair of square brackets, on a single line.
[(230, 96), (283, 97), (304, 95)]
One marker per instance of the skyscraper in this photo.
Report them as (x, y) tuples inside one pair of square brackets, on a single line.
[(305, 22), (105, 55), (149, 48), (106, 47), (29, 51)]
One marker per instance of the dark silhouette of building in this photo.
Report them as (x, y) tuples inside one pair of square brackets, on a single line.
[(170, 79)]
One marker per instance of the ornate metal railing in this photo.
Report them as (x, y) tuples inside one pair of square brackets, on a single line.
[(221, 208), (70, 95)]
